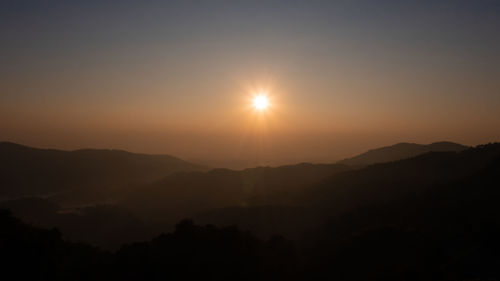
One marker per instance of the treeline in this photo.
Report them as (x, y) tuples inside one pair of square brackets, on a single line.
[(191, 252), (392, 242)]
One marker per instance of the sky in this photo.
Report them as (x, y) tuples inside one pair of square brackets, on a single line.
[(177, 77)]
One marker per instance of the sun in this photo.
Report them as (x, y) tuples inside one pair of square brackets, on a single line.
[(260, 102)]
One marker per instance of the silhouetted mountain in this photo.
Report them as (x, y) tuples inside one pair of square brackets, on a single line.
[(445, 226), (349, 190), (398, 152), (180, 195), (185, 194), (380, 183), (432, 217), (81, 175)]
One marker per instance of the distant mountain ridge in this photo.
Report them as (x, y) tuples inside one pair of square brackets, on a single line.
[(99, 175), (400, 151), (28, 171)]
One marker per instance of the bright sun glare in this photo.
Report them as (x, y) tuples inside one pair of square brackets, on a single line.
[(260, 102)]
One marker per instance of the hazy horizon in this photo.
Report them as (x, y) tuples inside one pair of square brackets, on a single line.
[(239, 163)]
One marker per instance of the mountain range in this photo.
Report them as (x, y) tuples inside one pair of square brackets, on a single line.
[(79, 176), (144, 202), (433, 216), (399, 151), (96, 175)]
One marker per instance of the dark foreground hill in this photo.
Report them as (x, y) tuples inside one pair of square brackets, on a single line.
[(79, 176), (400, 151), (97, 225), (189, 253)]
